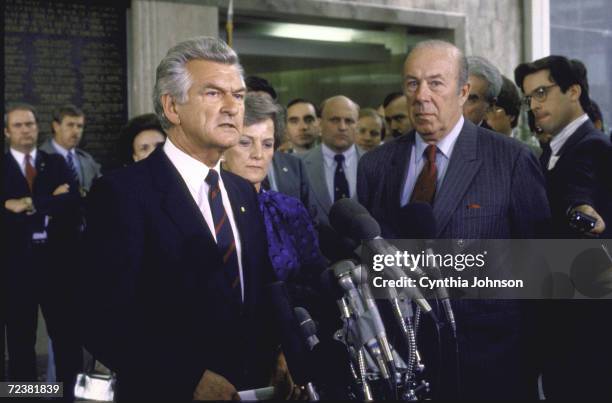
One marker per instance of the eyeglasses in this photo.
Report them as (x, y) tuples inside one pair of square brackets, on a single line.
[(539, 94)]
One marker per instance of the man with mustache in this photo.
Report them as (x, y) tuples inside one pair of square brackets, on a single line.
[(178, 249), (481, 186), (68, 124), (396, 115)]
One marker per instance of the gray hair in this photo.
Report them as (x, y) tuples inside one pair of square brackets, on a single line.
[(481, 67), (172, 76), (462, 64), (260, 107), (18, 106)]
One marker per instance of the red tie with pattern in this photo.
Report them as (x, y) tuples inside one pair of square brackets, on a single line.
[(425, 187), (30, 171), (225, 237)]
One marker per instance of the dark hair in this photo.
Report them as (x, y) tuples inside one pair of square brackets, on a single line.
[(563, 72), (304, 101), (254, 83), (66, 110), (509, 100), (18, 106), (258, 108), (392, 97), (128, 133), (594, 112)]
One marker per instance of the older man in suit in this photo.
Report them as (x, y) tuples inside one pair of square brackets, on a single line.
[(178, 249), (480, 185), (68, 124), (332, 166), (39, 199)]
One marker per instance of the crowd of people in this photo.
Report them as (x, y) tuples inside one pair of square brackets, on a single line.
[(159, 268)]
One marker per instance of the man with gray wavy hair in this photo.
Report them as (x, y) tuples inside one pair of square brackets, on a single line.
[(485, 84), (176, 246)]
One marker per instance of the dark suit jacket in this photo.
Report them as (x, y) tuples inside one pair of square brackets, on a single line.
[(487, 169), (291, 177), (502, 177), (159, 311), (581, 175), (52, 172)]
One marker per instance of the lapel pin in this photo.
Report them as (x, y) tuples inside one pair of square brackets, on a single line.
[(242, 209), (285, 169)]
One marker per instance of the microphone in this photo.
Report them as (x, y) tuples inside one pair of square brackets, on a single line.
[(309, 334), (293, 346), (418, 222), (307, 327), (354, 221)]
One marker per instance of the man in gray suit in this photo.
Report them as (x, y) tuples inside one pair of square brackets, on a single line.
[(481, 185), (68, 123), (332, 169), (332, 165)]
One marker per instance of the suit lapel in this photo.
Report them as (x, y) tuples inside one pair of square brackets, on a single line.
[(398, 170), (177, 201), (463, 165), (317, 181), (15, 174), (578, 135)]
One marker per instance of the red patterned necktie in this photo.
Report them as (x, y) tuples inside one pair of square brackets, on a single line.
[(30, 171), (425, 187)]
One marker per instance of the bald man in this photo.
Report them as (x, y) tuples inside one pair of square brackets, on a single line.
[(332, 166)]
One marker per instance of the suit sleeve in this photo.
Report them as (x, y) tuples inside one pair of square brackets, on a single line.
[(59, 205), (587, 176), (112, 327), (530, 211)]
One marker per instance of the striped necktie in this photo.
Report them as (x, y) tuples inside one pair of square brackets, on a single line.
[(226, 242), (73, 170)]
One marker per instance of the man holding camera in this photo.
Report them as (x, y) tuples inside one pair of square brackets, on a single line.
[(574, 163)]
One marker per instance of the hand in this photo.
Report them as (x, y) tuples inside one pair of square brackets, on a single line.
[(284, 387), (213, 386), (19, 205), (61, 189), (600, 225)]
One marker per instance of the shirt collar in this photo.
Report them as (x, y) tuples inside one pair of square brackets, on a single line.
[(20, 157), (61, 150), (557, 142), (192, 171), (445, 146), (329, 155)]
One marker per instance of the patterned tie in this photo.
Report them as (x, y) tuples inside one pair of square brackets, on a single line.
[(225, 237), (341, 187), (425, 187), (30, 171), (70, 162)]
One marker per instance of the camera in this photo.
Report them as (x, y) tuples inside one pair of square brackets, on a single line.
[(581, 222)]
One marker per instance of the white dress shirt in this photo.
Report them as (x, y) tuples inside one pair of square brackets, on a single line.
[(559, 140), (350, 169), (194, 174), (20, 158)]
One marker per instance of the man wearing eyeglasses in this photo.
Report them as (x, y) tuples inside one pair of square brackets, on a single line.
[(557, 92), (485, 84)]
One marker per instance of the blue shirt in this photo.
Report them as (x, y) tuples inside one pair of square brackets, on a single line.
[(418, 159)]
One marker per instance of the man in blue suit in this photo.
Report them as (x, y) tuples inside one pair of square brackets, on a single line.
[(178, 249), (481, 185)]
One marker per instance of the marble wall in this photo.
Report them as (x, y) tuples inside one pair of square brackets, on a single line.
[(492, 28)]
